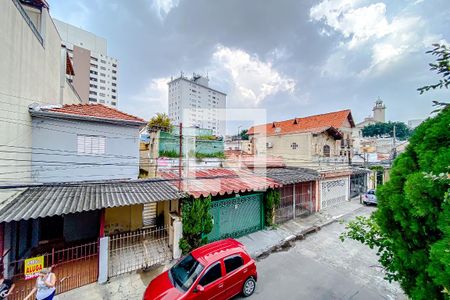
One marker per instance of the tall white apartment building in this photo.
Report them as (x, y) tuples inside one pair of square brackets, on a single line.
[(95, 77), (195, 104)]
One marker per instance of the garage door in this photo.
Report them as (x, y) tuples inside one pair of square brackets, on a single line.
[(236, 216), (334, 191)]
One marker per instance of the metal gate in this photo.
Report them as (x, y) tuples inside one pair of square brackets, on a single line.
[(296, 200), (135, 250), (334, 191), (73, 267), (236, 216), (358, 184)]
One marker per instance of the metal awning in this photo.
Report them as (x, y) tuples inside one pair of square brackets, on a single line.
[(288, 175), (65, 198)]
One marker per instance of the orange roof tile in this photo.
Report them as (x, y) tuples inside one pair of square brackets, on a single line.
[(316, 123), (219, 181), (97, 111)]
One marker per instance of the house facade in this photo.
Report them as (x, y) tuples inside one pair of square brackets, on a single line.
[(84, 188), (300, 141)]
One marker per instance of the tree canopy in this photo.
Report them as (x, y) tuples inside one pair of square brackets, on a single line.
[(411, 228), (402, 132), (243, 134), (160, 121)]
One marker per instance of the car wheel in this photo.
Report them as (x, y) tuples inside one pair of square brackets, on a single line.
[(249, 287)]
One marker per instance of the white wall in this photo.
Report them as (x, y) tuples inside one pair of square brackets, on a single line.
[(29, 72)]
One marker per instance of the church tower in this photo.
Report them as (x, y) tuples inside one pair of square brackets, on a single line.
[(379, 111)]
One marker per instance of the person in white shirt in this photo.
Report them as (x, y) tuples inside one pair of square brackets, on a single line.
[(45, 285)]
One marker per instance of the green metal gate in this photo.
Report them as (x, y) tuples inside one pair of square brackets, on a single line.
[(236, 216)]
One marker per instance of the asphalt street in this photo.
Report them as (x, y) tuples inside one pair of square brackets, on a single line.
[(323, 267)]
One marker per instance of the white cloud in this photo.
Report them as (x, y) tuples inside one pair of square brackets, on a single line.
[(251, 80), (163, 7), (368, 26), (152, 100)]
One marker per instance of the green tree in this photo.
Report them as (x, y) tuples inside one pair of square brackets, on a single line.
[(243, 134), (197, 223), (411, 227), (160, 121), (402, 131)]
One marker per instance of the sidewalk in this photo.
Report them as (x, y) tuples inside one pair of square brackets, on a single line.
[(262, 242), (258, 244)]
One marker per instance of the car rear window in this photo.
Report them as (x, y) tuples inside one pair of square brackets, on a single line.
[(211, 275), (233, 262)]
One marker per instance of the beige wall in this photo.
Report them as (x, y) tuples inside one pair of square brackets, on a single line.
[(81, 67), (29, 72), (122, 219)]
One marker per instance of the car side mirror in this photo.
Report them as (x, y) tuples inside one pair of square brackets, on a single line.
[(199, 289)]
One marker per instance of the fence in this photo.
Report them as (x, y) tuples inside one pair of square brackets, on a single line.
[(73, 267), (297, 200), (138, 250)]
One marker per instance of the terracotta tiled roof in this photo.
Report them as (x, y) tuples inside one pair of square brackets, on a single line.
[(317, 123), (95, 110), (220, 181)]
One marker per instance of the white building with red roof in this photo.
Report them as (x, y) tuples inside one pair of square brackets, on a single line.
[(83, 142)]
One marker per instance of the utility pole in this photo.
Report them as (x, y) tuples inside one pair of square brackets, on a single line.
[(180, 163), (239, 137)]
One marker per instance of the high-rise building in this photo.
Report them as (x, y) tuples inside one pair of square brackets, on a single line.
[(195, 104), (95, 77)]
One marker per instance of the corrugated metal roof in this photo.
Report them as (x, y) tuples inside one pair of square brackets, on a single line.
[(205, 182), (288, 175), (50, 200), (356, 171)]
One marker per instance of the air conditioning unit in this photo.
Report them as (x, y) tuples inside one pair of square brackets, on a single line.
[(269, 145)]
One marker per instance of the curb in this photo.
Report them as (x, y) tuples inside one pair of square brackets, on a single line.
[(288, 241)]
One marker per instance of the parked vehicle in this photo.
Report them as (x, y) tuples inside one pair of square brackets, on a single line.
[(370, 197), (220, 270)]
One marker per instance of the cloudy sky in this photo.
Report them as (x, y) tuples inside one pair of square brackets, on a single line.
[(293, 58)]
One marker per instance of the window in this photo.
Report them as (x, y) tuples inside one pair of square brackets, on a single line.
[(114, 97), (103, 61), (102, 68), (233, 263), (114, 71), (185, 272), (93, 72), (102, 81), (94, 66), (102, 101), (113, 103), (326, 151), (114, 78), (102, 94), (114, 65), (91, 144), (92, 99), (93, 79), (93, 86), (102, 88), (93, 58), (113, 90), (294, 146), (92, 93), (211, 275), (102, 74)]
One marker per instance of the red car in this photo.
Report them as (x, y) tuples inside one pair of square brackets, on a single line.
[(220, 270)]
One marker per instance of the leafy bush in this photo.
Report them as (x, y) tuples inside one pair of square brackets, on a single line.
[(411, 227), (271, 201), (197, 223)]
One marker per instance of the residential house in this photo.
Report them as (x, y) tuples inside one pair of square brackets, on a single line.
[(298, 193), (237, 198), (320, 142), (85, 164), (33, 70), (315, 139)]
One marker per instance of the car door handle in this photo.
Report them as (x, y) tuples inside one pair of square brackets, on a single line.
[(245, 270), (221, 286)]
